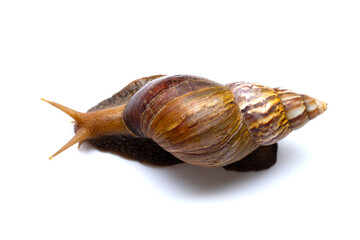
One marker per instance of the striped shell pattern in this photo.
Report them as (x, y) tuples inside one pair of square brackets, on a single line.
[(209, 124)]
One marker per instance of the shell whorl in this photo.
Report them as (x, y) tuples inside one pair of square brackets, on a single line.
[(271, 114), (205, 123), (195, 119), (300, 108), (263, 112)]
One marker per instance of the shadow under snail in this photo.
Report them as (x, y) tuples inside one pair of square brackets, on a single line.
[(165, 120)]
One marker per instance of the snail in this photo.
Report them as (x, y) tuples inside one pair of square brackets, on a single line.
[(165, 120)]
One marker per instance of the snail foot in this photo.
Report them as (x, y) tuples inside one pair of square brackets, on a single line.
[(262, 158)]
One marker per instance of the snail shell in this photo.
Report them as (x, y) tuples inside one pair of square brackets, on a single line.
[(194, 119)]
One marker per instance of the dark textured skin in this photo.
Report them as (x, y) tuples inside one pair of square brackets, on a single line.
[(262, 158), (124, 95), (141, 149), (147, 151)]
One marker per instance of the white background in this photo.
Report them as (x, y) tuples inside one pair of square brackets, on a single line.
[(81, 52)]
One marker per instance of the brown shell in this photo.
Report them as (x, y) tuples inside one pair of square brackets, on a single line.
[(271, 114), (195, 119)]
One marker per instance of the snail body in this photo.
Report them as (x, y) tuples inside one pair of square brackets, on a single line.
[(171, 119)]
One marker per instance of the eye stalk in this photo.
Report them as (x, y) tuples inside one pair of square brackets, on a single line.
[(93, 124)]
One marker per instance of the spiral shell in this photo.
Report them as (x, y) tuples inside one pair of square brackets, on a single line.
[(205, 123)]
